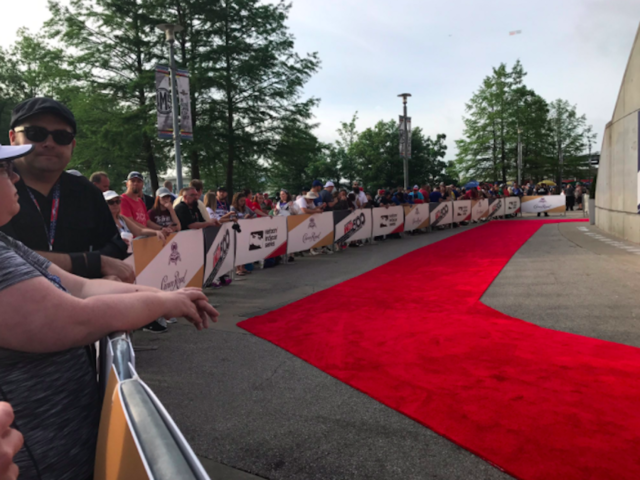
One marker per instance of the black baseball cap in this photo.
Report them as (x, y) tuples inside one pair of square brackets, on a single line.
[(34, 106), (222, 189), (135, 175)]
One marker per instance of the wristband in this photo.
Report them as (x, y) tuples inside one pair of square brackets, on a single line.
[(79, 264), (94, 264)]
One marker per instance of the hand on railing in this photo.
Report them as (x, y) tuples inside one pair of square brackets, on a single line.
[(190, 303)]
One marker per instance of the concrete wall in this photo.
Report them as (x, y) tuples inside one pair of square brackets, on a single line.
[(617, 189)]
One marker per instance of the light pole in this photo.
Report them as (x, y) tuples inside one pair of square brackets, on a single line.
[(519, 158), (406, 140), (170, 30)]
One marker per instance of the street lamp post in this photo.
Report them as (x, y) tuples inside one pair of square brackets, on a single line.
[(519, 158), (170, 30), (406, 140)]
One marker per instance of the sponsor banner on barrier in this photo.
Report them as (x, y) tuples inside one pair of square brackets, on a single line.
[(387, 220), (219, 252), (462, 211), (351, 226), (547, 203), (309, 231), (479, 209), (416, 217), (511, 205), (177, 264), (496, 207), (441, 213), (261, 238)]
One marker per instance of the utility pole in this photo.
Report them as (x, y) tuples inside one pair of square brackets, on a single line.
[(170, 30), (406, 140), (519, 158)]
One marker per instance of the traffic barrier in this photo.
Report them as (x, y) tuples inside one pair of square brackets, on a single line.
[(219, 253), (416, 217), (479, 209), (309, 231), (496, 207), (387, 220), (197, 258), (512, 206), (462, 211), (177, 264), (546, 203), (261, 238), (441, 214), (352, 226), (137, 437)]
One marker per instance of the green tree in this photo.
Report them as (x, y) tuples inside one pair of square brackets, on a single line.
[(256, 82), (115, 48), (569, 138), (487, 150)]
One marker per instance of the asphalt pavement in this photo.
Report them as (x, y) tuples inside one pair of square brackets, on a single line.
[(251, 410)]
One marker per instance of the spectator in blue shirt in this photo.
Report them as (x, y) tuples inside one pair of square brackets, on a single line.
[(416, 193), (435, 196)]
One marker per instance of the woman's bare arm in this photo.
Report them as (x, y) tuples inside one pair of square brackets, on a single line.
[(42, 318)]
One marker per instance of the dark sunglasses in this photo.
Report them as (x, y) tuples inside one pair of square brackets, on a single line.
[(6, 168), (115, 201), (40, 134)]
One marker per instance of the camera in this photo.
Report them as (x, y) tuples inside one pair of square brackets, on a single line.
[(236, 227)]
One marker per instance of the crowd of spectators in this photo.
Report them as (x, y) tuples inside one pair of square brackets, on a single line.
[(64, 286), (66, 237)]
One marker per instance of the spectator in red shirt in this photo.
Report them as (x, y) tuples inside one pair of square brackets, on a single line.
[(267, 200), (253, 206), (133, 205)]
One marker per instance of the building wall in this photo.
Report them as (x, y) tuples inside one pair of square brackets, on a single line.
[(617, 195)]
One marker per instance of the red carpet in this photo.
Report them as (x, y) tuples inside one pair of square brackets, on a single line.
[(413, 335)]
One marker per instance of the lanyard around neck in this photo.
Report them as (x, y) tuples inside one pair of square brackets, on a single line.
[(55, 208)]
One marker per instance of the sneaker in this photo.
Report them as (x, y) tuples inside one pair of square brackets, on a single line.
[(224, 281), (172, 320), (315, 251), (162, 321), (154, 327), (216, 284), (291, 260), (328, 250)]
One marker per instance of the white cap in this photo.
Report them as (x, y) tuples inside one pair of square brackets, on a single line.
[(11, 152), (311, 195), (74, 172), (329, 184), (110, 195)]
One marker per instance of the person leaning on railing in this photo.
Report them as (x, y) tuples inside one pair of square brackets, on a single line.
[(48, 316)]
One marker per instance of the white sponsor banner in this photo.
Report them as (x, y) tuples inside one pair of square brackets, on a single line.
[(261, 238), (387, 220), (496, 207), (547, 203), (176, 265), (416, 217), (219, 252), (309, 231), (163, 102), (357, 225), (462, 211), (184, 100), (479, 209), (512, 205), (441, 213)]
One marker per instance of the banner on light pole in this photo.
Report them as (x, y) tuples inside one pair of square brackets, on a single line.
[(403, 139), (164, 104)]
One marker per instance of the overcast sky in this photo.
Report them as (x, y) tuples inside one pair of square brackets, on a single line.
[(439, 51)]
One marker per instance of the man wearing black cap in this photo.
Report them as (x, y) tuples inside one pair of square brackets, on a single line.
[(62, 216)]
